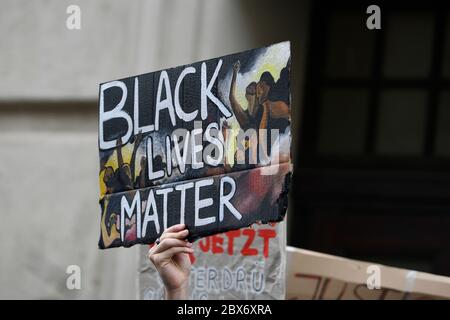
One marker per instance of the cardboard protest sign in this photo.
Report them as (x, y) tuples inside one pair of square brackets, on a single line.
[(244, 264), (316, 276), (205, 144)]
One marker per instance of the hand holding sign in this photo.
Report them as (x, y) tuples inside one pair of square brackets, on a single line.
[(171, 259)]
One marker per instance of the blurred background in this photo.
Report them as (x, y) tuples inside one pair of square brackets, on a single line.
[(370, 117)]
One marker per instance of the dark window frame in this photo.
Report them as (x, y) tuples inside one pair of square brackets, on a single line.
[(316, 82), (370, 207)]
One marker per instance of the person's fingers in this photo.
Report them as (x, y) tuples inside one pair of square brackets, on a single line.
[(176, 235), (169, 243), (169, 253), (158, 258), (175, 228)]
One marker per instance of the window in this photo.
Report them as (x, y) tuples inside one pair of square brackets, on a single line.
[(378, 96), (372, 178)]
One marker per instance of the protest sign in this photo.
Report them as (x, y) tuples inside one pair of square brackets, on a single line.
[(316, 276), (205, 144)]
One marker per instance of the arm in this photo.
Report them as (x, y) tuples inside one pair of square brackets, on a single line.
[(241, 116), (265, 116), (137, 141), (263, 125), (171, 259), (143, 174), (119, 152)]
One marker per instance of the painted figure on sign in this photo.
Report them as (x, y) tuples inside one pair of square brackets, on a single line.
[(122, 178)]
